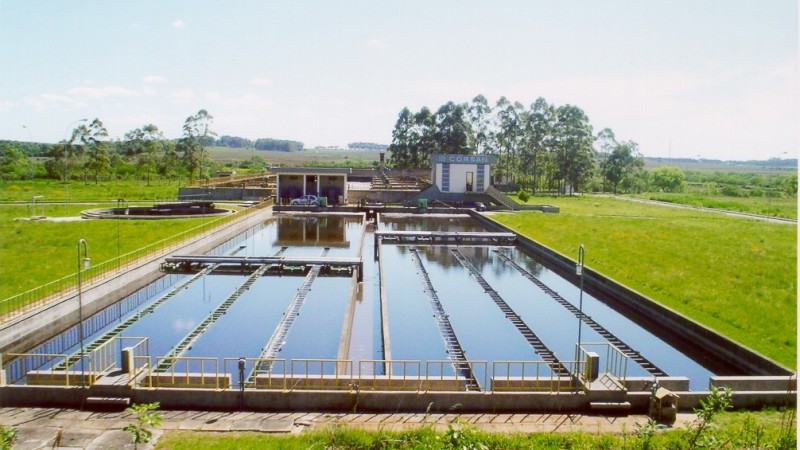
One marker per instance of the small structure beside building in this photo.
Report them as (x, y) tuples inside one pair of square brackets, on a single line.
[(295, 182)]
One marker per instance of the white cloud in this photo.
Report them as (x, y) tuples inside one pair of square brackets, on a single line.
[(260, 81), (6, 106), (183, 96), (102, 92), (154, 79), (44, 102), (376, 43), (178, 23)]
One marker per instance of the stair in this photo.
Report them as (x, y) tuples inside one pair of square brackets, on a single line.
[(501, 198)]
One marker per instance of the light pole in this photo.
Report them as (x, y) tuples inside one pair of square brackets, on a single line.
[(579, 272), (83, 264)]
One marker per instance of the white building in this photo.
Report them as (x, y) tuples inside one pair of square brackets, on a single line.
[(461, 173)]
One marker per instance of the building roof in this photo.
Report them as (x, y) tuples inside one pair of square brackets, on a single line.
[(462, 159), (312, 170)]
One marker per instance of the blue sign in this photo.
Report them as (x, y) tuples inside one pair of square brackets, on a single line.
[(463, 159)]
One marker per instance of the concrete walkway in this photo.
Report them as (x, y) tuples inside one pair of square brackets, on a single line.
[(44, 428)]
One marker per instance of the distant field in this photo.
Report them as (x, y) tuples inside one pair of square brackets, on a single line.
[(735, 275), (780, 207), (357, 157), (718, 166)]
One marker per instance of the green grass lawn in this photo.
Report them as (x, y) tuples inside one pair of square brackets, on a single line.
[(36, 252), (55, 191), (767, 429), (780, 207), (737, 276)]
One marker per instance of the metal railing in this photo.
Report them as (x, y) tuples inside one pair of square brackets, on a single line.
[(612, 361), (393, 375), (188, 371), (307, 374), (538, 376), (39, 296), (61, 369)]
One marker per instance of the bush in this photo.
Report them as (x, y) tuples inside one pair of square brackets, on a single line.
[(523, 195)]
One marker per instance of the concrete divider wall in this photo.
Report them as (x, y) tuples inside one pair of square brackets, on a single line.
[(715, 351), (367, 401)]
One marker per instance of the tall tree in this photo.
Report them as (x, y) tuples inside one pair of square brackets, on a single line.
[(537, 126), (91, 140), (479, 114), (453, 133), (605, 142), (400, 148), (144, 144), (196, 133), (508, 135), (423, 140), (622, 163), (574, 152)]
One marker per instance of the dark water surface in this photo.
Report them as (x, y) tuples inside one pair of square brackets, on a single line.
[(481, 327)]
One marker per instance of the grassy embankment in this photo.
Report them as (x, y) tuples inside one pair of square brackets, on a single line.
[(737, 276), (33, 253), (767, 429)]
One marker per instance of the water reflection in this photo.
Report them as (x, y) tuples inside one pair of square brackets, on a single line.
[(314, 231)]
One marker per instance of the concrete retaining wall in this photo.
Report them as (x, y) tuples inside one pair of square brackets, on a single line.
[(366, 401), (224, 193)]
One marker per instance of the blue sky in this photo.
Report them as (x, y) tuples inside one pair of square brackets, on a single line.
[(718, 79)]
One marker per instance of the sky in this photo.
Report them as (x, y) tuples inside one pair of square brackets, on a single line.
[(709, 79)]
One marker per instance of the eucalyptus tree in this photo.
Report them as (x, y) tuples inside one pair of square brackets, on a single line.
[(196, 133), (573, 148), (537, 127), (91, 139), (144, 144), (605, 142), (400, 148), (452, 131), (423, 140), (508, 135), (479, 114)]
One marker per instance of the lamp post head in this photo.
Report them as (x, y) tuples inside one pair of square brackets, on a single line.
[(87, 262)]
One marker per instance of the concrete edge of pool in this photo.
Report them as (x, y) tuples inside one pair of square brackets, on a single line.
[(774, 385)]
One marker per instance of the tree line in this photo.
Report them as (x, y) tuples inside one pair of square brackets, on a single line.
[(540, 147), (88, 154)]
